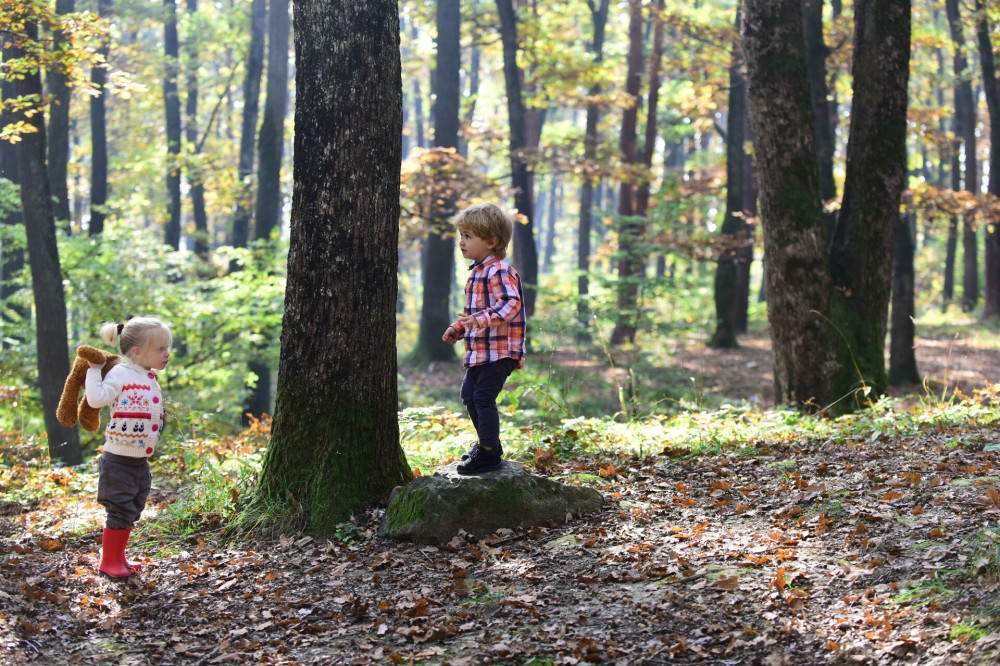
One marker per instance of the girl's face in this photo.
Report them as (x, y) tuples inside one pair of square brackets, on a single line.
[(473, 247), (156, 356)]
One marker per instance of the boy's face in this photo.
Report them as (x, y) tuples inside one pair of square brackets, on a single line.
[(473, 247)]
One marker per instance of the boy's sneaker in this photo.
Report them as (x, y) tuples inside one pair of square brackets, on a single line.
[(466, 456), (482, 460)]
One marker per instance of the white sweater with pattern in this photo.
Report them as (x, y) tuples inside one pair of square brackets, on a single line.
[(136, 408)]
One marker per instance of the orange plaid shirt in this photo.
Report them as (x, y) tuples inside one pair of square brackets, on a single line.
[(493, 295)]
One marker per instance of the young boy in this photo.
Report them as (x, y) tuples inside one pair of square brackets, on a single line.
[(492, 324)]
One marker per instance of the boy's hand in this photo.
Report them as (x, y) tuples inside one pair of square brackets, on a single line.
[(470, 322), (451, 336)]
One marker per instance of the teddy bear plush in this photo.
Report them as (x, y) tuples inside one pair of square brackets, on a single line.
[(69, 412)]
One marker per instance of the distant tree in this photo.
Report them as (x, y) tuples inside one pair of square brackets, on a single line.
[(733, 224), (438, 254), (598, 20), (270, 153), (58, 134), (991, 88), (99, 133), (43, 259), (334, 447), (172, 104), (965, 122), (248, 127), (828, 296), (525, 253), (629, 229), (191, 130), (902, 358), (11, 254)]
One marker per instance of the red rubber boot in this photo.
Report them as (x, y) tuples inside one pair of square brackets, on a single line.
[(134, 566), (113, 554)]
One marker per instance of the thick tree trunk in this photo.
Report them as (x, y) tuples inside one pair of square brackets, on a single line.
[(991, 305), (746, 252), (334, 447), (99, 136), (902, 358), (240, 235), (525, 253), (439, 246), (733, 225), (58, 129), (192, 134), (599, 20), (46, 274), (172, 103), (816, 52), (828, 311), (629, 230)]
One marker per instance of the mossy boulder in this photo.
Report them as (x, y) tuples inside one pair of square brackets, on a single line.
[(432, 509)]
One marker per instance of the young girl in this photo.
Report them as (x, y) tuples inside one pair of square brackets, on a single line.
[(130, 438)]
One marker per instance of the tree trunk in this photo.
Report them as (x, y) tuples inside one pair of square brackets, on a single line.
[(733, 225), (599, 20), (172, 102), (816, 52), (58, 130), (555, 194), (439, 246), (334, 448), (902, 359), (525, 252), (746, 252), (991, 305), (192, 134), (828, 311), (965, 120), (629, 230), (248, 129), (46, 274), (99, 135)]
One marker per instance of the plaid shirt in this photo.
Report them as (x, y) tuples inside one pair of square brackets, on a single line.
[(493, 294)]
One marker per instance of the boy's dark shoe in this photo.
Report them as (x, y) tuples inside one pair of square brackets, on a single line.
[(467, 456), (482, 460)]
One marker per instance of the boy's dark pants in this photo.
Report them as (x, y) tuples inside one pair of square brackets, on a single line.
[(122, 488), (480, 388)]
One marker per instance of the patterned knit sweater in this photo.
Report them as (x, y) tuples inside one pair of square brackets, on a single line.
[(136, 408)]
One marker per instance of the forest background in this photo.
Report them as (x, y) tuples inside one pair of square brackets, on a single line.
[(145, 158)]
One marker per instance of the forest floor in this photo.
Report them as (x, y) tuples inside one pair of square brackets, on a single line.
[(870, 549)]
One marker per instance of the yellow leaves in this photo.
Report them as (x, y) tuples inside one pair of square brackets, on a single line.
[(608, 471)]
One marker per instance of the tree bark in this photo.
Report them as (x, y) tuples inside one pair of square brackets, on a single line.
[(46, 273), (733, 225), (248, 128), (629, 231), (11, 255), (99, 135), (828, 309), (172, 102), (991, 304), (525, 252), (816, 52), (599, 20), (902, 359), (334, 448), (439, 246)]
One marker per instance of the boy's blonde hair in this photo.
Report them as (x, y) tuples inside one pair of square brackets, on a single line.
[(489, 222), (137, 333)]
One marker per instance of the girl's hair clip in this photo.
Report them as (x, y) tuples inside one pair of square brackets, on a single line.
[(120, 327)]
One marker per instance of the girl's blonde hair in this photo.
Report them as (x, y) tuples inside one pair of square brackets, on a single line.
[(489, 222), (139, 333)]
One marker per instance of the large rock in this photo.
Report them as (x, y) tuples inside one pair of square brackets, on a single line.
[(432, 509)]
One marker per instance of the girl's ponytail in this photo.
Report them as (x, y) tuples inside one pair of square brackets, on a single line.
[(110, 332)]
